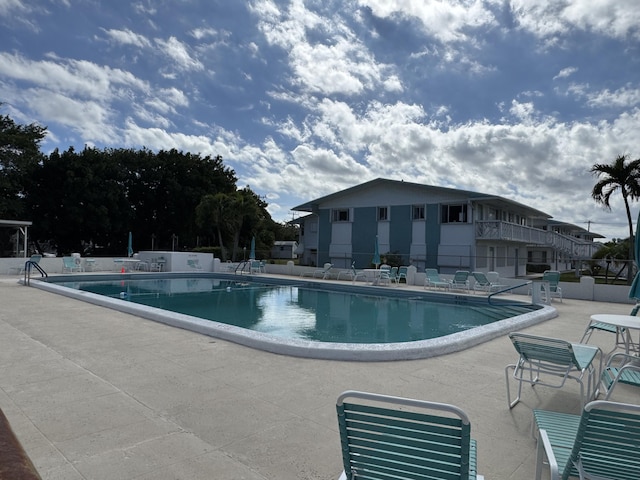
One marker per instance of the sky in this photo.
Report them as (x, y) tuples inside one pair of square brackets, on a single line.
[(302, 98)]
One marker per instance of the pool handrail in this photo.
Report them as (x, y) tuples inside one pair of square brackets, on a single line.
[(507, 289)]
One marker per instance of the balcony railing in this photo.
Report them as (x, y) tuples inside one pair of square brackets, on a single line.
[(497, 230)]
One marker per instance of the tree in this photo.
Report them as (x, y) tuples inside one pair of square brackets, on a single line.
[(622, 176), (19, 157)]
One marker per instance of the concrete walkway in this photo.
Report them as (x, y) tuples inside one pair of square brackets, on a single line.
[(97, 394)]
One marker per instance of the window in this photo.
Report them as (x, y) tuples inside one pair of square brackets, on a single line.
[(340, 215), (418, 212), (383, 214), (454, 213)]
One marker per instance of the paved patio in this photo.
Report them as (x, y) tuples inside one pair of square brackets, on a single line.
[(97, 394)]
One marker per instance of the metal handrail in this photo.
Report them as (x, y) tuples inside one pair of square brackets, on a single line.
[(27, 271), (509, 288)]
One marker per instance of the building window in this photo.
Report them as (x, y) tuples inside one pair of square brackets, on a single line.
[(340, 215), (383, 214), (454, 213), (418, 212)]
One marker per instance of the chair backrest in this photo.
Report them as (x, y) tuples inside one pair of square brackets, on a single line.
[(69, 262), (402, 272), (35, 258), (606, 444), (481, 278), (383, 439), (394, 272), (432, 274), (553, 277), (327, 266), (461, 276), (544, 349)]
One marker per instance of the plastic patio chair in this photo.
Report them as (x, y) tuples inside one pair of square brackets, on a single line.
[(602, 443), (542, 357), (390, 438)]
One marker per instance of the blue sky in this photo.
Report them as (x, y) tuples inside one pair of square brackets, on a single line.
[(303, 98)]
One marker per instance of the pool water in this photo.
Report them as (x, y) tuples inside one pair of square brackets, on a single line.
[(303, 312)]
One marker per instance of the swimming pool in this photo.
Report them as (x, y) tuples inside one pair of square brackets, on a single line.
[(307, 318)]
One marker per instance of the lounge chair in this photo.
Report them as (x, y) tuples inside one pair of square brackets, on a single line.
[(602, 443), (388, 275), (609, 328), (620, 368), (389, 438), (545, 356), (553, 277), (323, 273), (352, 274), (482, 283), (402, 273), (194, 264), (460, 280), (433, 280), (19, 269), (71, 264), (255, 266)]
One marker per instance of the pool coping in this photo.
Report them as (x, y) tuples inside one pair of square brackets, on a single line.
[(369, 352)]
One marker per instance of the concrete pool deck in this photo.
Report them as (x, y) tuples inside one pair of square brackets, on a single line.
[(94, 393)]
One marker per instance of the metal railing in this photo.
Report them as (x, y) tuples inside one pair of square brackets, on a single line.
[(27, 271)]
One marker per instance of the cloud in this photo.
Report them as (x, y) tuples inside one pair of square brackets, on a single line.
[(446, 21), (565, 72), (335, 62), (609, 18), (127, 37), (179, 53)]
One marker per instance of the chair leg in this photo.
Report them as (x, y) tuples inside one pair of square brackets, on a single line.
[(507, 377)]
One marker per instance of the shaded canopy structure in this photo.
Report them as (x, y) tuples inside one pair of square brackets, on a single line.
[(22, 232)]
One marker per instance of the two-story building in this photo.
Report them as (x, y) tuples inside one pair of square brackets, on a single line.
[(435, 227)]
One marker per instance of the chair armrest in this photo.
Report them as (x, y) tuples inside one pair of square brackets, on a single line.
[(543, 440), (625, 358)]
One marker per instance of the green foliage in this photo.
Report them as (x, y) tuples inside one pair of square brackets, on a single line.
[(19, 158)]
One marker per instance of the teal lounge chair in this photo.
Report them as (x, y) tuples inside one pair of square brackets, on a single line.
[(607, 327), (460, 280), (352, 274), (544, 357), (71, 265), (389, 438), (602, 443), (553, 277), (620, 368), (482, 283), (323, 273), (433, 280)]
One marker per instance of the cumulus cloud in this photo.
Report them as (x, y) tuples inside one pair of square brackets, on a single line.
[(610, 18)]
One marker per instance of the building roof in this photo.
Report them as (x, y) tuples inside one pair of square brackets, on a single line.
[(494, 200)]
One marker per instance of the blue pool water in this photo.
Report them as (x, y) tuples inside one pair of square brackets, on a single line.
[(307, 313)]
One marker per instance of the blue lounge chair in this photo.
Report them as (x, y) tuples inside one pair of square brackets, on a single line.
[(352, 274), (602, 443), (387, 438), (543, 357)]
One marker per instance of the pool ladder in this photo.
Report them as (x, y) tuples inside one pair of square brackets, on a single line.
[(27, 271)]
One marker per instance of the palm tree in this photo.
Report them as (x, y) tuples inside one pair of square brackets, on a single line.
[(622, 176)]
